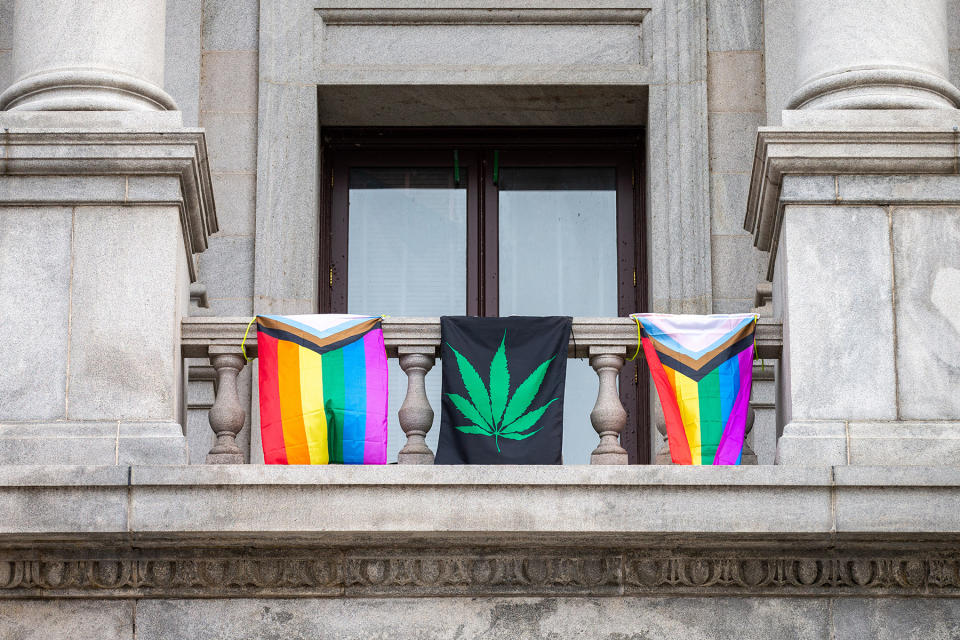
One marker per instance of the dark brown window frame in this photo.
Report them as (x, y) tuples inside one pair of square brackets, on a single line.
[(344, 148)]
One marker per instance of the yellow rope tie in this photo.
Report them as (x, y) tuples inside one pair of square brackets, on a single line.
[(244, 341), (756, 356), (637, 320)]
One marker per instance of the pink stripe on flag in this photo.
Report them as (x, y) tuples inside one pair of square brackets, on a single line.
[(375, 441), (731, 442)]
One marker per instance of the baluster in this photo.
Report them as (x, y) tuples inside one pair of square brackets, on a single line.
[(226, 415), (608, 416), (416, 415)]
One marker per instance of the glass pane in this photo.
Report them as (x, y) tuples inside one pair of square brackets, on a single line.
[(558, 256), (407, 257)]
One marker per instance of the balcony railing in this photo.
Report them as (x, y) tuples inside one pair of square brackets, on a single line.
[(607, 342)]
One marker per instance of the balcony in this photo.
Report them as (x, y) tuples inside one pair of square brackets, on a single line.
[(607, 342)]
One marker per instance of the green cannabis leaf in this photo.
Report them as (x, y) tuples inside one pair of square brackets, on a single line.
[(494, 413)]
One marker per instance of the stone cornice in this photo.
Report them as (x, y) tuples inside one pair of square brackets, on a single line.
[(802, 151), (550, 505), (199, 333), (396, 531), (726, 569), (129, 166)]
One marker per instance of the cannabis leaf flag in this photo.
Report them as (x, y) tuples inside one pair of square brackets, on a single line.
[(503, 384)]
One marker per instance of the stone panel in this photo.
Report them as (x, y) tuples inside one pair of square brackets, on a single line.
[(35, 294), (6, 68), (230, 24), (488, 618), (6, 24), (728, 201), (838, 273), (927, 266), (779, 56), (735, 81), (229, 81), (227, 268), (286, 265), (733, 138), (734, 25), (56, 619), (236, 196), (182, 63), (231, 141), (737, 266), (471, 44), (123, 365)]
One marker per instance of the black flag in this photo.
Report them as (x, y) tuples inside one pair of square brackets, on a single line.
[(503, 384)]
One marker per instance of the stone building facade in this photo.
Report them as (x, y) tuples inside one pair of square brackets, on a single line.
[(168, 169)]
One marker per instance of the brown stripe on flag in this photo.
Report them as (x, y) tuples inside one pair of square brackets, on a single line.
[(324, 342), (697, 363)]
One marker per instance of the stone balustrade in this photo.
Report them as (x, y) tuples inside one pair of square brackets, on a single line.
[(607, 342)]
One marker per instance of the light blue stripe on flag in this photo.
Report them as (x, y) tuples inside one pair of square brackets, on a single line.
[(355, 400)]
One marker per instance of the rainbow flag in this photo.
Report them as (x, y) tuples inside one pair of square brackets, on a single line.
[(323, 389), (702, 367)]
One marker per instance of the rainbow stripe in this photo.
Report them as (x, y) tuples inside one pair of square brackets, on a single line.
[(323, 389), (702, 367)]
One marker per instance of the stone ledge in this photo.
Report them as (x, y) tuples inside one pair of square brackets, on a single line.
[(450, 505), (109, 164)]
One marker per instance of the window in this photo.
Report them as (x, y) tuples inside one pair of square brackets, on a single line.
[(430, 222)]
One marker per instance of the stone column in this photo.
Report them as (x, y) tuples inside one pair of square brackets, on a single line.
[(872, 54), (861, 216), (88, 55)]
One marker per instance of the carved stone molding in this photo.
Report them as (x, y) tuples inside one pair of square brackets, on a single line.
[(325, 572)]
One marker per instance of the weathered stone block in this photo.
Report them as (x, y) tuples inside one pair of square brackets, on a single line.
[(151, 443), (232, 140), (182, 57), (53, 499), (895, 618), (489, 618), (904, 443), (236, 196), (227, 267), (728, 201), (54, 619), (58, 443), (35, 290), (869, 500), (230, 25), (737, 266)]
